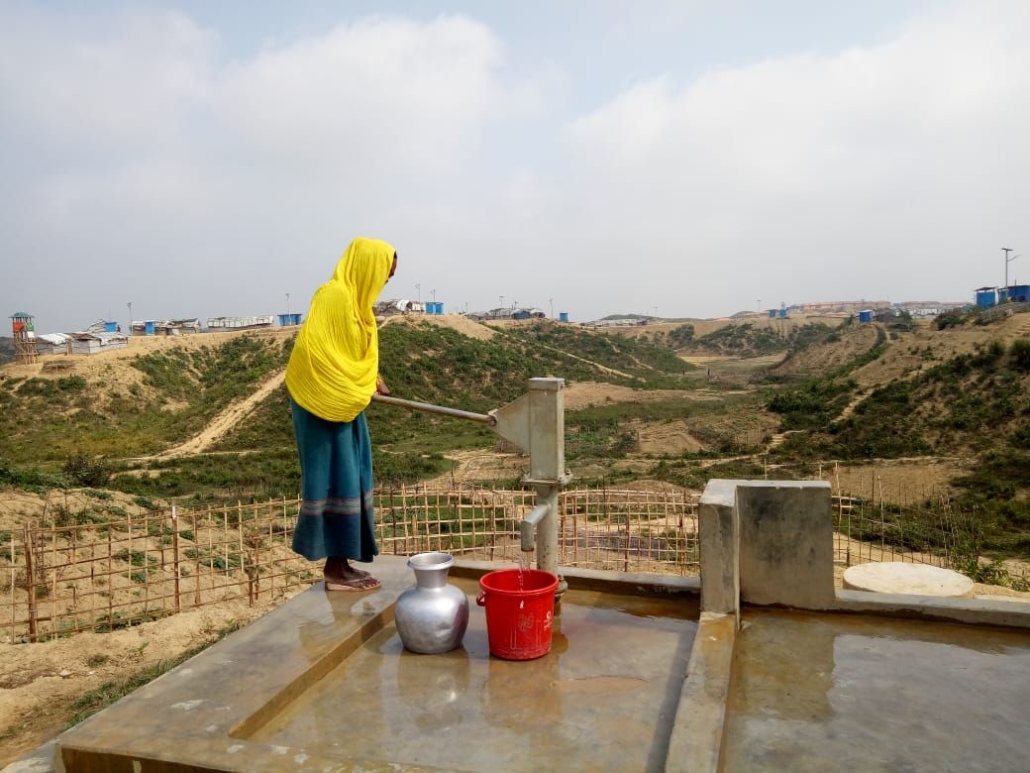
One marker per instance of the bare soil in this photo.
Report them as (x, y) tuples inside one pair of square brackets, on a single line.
[(904, 481), (585, 394), (232, 415), (19, 507)]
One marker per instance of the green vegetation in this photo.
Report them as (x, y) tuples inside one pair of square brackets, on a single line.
[(51, 388), (30, 478), (86, 470), (646, 362), (952, 318), (214, 478), (69, 432), (6, 350), (974, 403), (682, 336), (49, 421), (813, 405), (750, 340)]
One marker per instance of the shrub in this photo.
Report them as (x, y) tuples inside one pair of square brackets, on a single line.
[(1020, 354), (86, 470)]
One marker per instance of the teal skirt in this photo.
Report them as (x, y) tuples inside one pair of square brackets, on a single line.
[(336, 517)]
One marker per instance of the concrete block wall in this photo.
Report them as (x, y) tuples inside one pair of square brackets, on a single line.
[(766, 542)]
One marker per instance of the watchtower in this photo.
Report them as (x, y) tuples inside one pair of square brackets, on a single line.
[(24, 338)]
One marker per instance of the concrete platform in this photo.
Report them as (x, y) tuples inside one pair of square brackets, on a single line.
[(323, 683), (816, 692)]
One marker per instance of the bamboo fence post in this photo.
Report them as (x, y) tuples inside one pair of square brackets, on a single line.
[(196, 560), (271, 556), (146, 563), (413, 520), (286, 523), (404, 518), (493, 530), (54, 608), (110, 579), (425, 509), (30, 582), (628, 538), (226, 536), (211, 546), (92, 583), (14, 596), (575, 531), (72, 561), (239, 541), (175, 558), (129, 551), (883, 528), (461, 519)]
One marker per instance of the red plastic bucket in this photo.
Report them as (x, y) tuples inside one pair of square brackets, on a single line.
[(519, 612)]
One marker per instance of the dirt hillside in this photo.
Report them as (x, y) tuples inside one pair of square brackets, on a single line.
[(113, 367), (926, 346), (456, 322)]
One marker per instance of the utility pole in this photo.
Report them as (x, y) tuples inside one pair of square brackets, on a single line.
[(502, 302), (552, 308), (129, 304), (1008, 260)]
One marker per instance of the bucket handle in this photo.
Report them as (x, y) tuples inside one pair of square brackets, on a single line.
[(481, 598)]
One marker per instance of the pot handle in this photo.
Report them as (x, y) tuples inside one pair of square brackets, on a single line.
[(481, 598)]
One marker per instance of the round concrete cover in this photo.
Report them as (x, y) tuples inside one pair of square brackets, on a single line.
[(917, 579)]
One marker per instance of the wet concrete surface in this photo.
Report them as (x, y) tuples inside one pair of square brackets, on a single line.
[(840, 692), (604, 698), (323, 684)]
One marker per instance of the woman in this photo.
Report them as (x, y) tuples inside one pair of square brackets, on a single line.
[(332, 374)]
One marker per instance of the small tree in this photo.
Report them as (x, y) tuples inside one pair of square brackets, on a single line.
[(86, 470)]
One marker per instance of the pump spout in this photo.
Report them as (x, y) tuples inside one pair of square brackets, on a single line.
[(528, 526)]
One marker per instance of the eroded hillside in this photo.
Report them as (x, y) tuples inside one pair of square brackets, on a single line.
[(794, 398)]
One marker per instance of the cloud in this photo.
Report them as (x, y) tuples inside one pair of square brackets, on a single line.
[(128, 81), (379, 91), (144, 147), (794, 171), (145, 162)]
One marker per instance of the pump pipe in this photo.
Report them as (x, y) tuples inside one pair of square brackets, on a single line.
[(527, 528), (481, 418)]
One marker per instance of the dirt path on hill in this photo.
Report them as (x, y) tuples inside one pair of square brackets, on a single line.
[(223, 422)]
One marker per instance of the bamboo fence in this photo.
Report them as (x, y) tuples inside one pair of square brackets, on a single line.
[(79, 572), (83, 573)]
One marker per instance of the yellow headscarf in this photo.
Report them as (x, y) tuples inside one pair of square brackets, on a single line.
[(333, 369)]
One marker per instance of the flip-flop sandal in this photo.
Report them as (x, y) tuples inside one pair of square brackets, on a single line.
[(358, 584)]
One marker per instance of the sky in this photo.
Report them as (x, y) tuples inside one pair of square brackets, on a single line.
[(682, 159)]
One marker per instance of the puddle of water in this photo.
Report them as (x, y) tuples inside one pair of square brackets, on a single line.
[(813, 692), (602, 699)]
